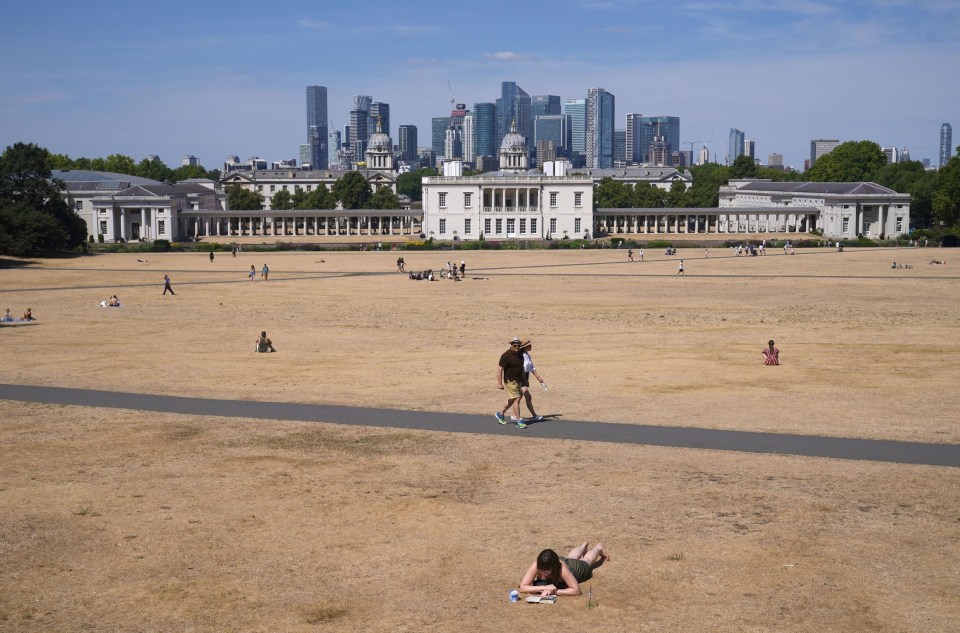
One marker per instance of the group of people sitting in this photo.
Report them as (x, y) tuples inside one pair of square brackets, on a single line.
[(8, 317), (901, 265), (426, 275), (112, 302), (670, 251), (938, 261)]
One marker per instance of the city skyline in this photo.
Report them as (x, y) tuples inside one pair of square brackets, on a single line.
[(195, 79)]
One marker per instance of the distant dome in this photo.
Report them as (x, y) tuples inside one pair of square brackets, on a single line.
[(513, 140), (379, 140)]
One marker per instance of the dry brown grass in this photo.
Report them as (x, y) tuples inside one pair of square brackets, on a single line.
[(118, 520)]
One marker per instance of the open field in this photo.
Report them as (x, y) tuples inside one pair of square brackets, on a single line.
[(114, 520)]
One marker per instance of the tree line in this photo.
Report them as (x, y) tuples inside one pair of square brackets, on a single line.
[(154, 169)]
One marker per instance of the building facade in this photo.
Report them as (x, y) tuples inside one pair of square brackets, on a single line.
[(735, 145), (317, 126), (600, 114), (821, 147), (484, 129), (946, 144), (408, 143)]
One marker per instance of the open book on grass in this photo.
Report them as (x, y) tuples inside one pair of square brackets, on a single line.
[(542, 599)]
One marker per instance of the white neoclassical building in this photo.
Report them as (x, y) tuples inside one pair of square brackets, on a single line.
[(840, 209), (515, 202)]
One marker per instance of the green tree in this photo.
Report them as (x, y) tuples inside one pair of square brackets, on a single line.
[(411, 183), (60, 161), (352, 190), (647, 196), (853, 161), (384, 198), (282, 200), (186, 172), (120, 164), (678, 194), (612, 194), (155, 170), (33, 214), (299, 198), (242, 199), (946, 196), (319, 198), (743, 167), (911, 177), (707, 180)]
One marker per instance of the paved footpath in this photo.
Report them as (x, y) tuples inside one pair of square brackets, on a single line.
[(554, 428)]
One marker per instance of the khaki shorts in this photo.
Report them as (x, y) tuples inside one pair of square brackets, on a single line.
[(512, 387)]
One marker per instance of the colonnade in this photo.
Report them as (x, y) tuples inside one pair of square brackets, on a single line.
[(665, 221), (198, 224)]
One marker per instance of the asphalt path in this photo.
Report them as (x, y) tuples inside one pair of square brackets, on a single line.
[(552, 428)]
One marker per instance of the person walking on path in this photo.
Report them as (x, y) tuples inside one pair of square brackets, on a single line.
[(640, 253), (265, 272), (166, 285), (401, 265), (252, 275), (509, 378), (680, 271), (629, 254), (211, 257), (529, 368), (771, 355)]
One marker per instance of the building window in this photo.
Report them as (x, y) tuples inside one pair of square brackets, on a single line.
[(846, 226), (523, 225), (486, 226), (259, 187), (499, 226), (309, 187), (103, 227), (273, 188), (553, 199), (467, 228), (466, 199), (443, 200), (576, 225), (443, 226), (79, 205), (553, 225), (160, 227), (533, 225), (578, 199), (511, 226), (899, 224)]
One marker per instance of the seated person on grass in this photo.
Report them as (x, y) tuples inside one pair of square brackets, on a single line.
[(28, 315), (264, 344), (552, 575), (7, 317)]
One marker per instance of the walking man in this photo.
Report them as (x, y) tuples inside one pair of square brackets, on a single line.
[(166, 285), (680, 271), (509, 378), (265, 272), (629, 254)]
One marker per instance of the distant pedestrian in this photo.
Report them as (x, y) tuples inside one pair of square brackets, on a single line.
[(166, 285), (640, 253), (706, 253), (252, 275), (629, 254), (211, 257), (401, 265), (463, 268), (265, 272), (680, 271)]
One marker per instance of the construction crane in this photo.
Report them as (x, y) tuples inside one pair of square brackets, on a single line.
[(453, 96), (707, 141)]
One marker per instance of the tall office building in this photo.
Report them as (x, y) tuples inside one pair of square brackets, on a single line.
[(544, 105), (642, 131), (408, 143), (775, 161), (513, 105), (438, 134), (469, 138), (576, 109), (485, 142), (946, 144), (333, 146), (381, 111), (748, 148), (599, 128), (360, 129), (554, 128), (620, 146), (821, 147), (734, 145), (317, 129)]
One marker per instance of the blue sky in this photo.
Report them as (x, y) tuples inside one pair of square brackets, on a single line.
[(212, 79)]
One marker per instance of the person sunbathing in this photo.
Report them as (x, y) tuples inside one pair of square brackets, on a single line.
[(28, 315), (551, 575), (264, 344)]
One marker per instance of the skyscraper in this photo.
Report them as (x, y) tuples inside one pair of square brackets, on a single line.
[(333, 146), (438, 134), (381, 110), (599, 129), (408, 143), (513, 105), (317, 130), (359, 126), (544, 105), (653, 127), (620, 145), (946, 144), (577, 109), (485, 129), (633, 135), (734, 145), (820, 147), (554, 128), (749, 148)]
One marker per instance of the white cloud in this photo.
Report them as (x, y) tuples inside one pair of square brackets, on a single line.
[(508, 56)]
